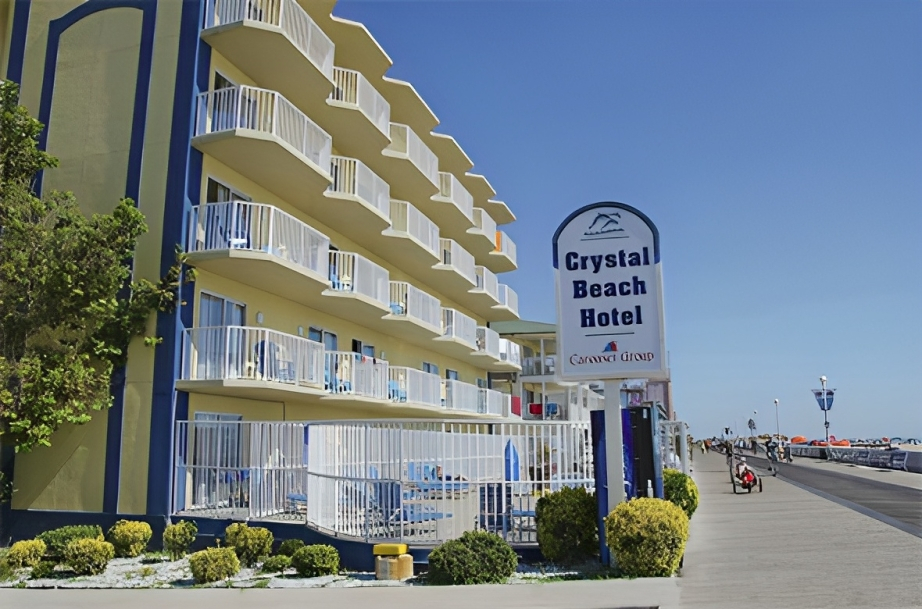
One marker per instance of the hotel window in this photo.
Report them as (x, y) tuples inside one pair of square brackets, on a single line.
[(222, 350), (329, 340), (430, 368), (360, 347), (215, 310), (451, 375)]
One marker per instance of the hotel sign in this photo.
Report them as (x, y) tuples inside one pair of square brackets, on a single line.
[(609, 295)]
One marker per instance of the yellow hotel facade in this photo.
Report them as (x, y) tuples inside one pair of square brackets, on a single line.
[(348, 258)]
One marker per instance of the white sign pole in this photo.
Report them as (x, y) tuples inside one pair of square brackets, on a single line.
[(614, 444)]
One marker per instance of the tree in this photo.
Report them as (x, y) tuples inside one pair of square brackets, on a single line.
[(68, 310)]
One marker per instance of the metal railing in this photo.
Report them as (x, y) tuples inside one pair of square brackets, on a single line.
[(458, 258), (451, 189), (484, 222), (406, 481), (250, 354), (353, 88), (492, 402), (458, 395), (456, 324), (508, 298), (534, 366), (265, 111), (353, 177), (287, 15), (406, 218), (487, 282), (505, 245), (409, 301), (405, 141), (257, 227), (488, 341), (351, 373), (510, 352), (350, 272), (408, 385)]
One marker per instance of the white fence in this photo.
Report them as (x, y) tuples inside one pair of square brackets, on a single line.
[(488, 341), (508, 298), (351, 373), (353, 88), (287, 15), (406, 218), (264, 111), (408, 481), (350, 272), (250, 354), (450, 188), (486, 281), (409, 301), (353, 177), (459, 259), (456, 324), (405, 141), (257, 227), (408, 385)]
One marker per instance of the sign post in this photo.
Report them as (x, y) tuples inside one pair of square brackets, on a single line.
[(610, 318)]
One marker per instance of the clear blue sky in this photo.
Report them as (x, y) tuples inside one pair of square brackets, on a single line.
[(777, 146)]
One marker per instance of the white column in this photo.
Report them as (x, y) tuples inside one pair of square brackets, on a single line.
[(683, 448), (614, 453)]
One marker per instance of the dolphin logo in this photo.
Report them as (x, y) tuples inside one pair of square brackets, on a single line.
[(605, 223)]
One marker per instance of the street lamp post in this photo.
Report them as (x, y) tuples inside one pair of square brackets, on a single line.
[(777, 425), (825, 410)]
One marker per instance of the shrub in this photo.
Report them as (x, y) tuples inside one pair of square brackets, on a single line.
[(57, 540), (129, 538), (568, 529), (178, 538), (250, 543), (478, 557), (647, 536), (276, 564), (88, 556), (43, 569), (290, 546), (316, 560), (25, 553), (214, 564), (680, 490)]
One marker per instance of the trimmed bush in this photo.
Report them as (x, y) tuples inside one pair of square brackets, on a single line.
[(214, 564), (250, 543), (178, 538), (647, 536), (276, 564), (680, 490), (568, 530), (316, 560), (129, 537), (25, 553), (477, 557), (57, 540), (290, 546), (88, 556), (43, 570)]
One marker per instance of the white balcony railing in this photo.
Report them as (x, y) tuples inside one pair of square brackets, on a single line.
[(456, 324), (484, 222), (406, 218), (238, 225), (250, 354), (450, 188), (458, 258), (409, 301), (508, 298), (350, 272), (287, 15), (492, 402), (486, 281), (534, 366), (405, 141), (351, 87), (414, 386), (355, 374), (264, 111), (354, 178), (510, 352), (488, 341), (460, 396), (505, 245)]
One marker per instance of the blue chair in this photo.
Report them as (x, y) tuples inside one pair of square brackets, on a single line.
[(395, 392)]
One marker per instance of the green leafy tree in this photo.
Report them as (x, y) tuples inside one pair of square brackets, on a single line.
[(68, 309)]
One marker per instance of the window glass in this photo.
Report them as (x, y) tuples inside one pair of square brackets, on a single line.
[(451, 375)]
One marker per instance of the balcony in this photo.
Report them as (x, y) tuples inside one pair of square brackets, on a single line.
[(360, 287), (460, 397), (459, 336), (504, 254), (253, 363), (535, 366), (359, 202), (409, 165), (357, 115), (510, 356), (261, 246), (412, 241), (260, 134), (483, 296), (508, 307), (487, 345), (493, 402), (480, 240), (414, 388), (270, 40), (353, 376), (456, 269), (418, 314), (454, 207)]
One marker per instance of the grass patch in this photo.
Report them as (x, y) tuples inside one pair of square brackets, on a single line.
[(263, 583), (154, 557), (145, 572)]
